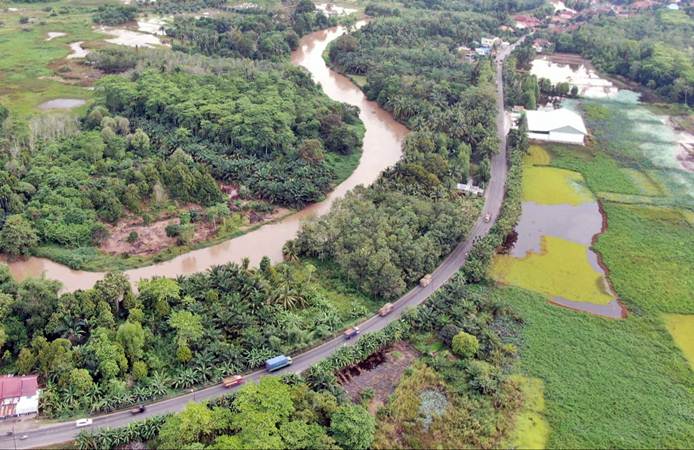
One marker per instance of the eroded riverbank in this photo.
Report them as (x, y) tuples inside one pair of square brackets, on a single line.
[(382, 149)]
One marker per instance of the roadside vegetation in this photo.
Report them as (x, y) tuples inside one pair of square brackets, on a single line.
[(107, 347)]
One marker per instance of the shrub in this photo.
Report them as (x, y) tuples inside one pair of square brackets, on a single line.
[(465, 345), (132, 237)]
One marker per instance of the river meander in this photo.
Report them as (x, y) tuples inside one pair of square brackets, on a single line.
[(382, 149)]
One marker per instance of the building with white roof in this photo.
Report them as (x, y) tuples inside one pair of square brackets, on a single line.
[(559, 125)]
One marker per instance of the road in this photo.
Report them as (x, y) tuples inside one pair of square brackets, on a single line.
[(52, 434)]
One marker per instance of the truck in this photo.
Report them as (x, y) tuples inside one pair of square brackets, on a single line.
[(351, 332), (385, 309), (277, 363), (232, 381), (487, 217), (426, 279)]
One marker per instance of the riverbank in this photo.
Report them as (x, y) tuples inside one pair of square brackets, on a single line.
[(382, 144)]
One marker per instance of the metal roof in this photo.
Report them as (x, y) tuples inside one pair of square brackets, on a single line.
[(555, 120), (18, 386)]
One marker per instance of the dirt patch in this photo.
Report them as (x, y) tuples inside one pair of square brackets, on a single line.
[(73, 71), (380, 372), (151, 239)]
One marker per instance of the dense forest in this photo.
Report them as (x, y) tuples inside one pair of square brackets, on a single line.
[(254, 33), (411, 218), (159, 137), (267, 128), (653, 49), (106, 347)]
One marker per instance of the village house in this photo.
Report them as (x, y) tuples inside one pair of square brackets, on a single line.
[(526, 22), (559, 125), (540, 45), (19, 395)]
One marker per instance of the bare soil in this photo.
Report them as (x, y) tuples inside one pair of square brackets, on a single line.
[(380, 372), (151, 239)]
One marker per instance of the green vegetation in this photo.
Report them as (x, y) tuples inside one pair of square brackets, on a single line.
[(26, 79), (531, 429), (107, 347), (653, 49), (273, 413), (114, 14), (552, 186), (410, 218), (647, 250), (599, 375), (252, 33)]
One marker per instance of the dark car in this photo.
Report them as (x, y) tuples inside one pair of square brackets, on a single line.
[(138, 409)]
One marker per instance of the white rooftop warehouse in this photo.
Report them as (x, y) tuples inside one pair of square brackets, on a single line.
[(559, 125)]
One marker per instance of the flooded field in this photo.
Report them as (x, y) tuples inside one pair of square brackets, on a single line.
[(62, 103), (552, 252), (130, 38), (77, 50), (572, 69), (382, 148), (55, 34)]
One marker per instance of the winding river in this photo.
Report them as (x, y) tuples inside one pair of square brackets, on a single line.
[(382, 149)]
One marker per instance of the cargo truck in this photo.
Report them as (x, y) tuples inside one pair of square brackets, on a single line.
[(277, 363), (232, 381), (385, 309)]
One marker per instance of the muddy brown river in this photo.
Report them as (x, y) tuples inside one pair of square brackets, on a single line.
[(382, 149)]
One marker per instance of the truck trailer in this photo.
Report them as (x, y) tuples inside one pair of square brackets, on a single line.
[(277, 363)]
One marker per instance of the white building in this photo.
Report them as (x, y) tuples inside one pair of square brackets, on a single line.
[(559, 125), (469, 188), (19, 395)]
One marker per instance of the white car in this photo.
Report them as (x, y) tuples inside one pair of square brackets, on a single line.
[(83, 423)]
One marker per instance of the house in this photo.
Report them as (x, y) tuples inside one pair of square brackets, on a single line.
[(19, 395), (541, 45), (559, 125), (470, 189), (489, 42), (483, 51), (523, 22)]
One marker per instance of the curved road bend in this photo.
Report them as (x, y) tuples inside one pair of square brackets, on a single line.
[(52, 434)]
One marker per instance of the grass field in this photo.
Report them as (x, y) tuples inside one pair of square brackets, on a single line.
[(607, 383), (23, 74), (648, 251)]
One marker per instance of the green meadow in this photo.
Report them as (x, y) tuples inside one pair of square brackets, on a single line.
[(25, 55)]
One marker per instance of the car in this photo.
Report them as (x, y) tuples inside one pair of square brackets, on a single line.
[(138, 409), (351, 332), (232, 381), (83, 423), (23, 437), (487, 217), (9, 433)]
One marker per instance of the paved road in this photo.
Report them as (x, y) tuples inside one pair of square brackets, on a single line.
[(62, 432)]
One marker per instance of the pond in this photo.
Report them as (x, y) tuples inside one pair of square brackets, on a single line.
[(62, 103), (77, 50), (382, 149), (572, 69), (552, 251)]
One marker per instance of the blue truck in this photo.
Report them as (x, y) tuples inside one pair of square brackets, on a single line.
[(277, 363)]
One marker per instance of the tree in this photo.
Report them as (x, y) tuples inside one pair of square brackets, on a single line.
[(109, 356), (17, 236), (188, 326), (353, 427), (465, 345), (81, 381), (196, 423), (131, 337)]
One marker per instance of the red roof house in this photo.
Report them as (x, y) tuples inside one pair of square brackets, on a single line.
[(19, 395)]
